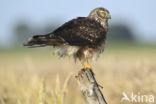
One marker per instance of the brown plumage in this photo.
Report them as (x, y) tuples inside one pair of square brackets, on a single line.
[(82, 37)]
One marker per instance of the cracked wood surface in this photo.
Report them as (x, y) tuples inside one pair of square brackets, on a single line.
[(89, 87)]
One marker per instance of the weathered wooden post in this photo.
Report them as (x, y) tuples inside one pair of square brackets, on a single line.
[(89, 87)]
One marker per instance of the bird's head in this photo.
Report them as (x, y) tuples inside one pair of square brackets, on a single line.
[(100, 14)]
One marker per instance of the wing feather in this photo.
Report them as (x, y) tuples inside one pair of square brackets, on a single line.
[(81, 31)]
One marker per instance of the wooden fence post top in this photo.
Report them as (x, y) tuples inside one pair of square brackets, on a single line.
[(89, 87)]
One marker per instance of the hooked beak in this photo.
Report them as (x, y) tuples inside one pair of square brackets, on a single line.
[(109, 16)]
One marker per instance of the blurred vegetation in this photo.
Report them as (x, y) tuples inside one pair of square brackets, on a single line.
[(21, 32), (120, 32), (35, 76)]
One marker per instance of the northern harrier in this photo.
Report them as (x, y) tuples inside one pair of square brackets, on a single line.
[(83, 37)]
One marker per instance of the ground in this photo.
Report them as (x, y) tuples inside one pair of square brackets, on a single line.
[(37, 76)]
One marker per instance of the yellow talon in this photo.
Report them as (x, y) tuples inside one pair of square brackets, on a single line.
[(87, 66)]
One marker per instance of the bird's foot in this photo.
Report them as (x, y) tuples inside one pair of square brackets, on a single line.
[(87, 66), (84, 71)]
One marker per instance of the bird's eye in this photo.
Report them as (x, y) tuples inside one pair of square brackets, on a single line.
[(102, 14)]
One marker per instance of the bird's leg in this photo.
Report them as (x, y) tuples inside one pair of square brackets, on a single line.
[(87, 65), (84, 59)]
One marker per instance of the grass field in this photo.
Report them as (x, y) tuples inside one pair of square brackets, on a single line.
[(36, 76)]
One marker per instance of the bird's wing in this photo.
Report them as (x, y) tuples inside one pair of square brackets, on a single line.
[(81, 31)]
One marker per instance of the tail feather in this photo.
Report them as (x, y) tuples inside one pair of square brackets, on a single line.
[(43, 40)]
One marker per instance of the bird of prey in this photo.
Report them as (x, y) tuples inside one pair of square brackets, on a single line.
[(82, 37)]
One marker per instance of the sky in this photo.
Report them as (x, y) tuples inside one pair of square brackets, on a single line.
[(140, 15)]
